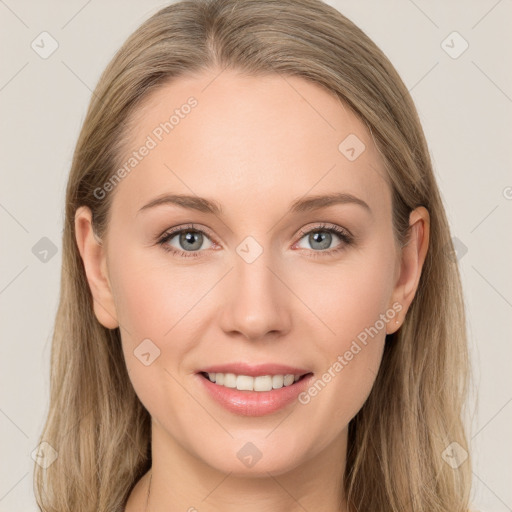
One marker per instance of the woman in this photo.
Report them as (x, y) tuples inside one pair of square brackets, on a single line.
[(258, 306)]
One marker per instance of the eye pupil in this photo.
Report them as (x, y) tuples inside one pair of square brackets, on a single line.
[(322, 237), (188, 236)]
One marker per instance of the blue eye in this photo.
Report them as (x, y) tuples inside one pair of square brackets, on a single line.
[(192, 238), (323, 242), (189, 238)]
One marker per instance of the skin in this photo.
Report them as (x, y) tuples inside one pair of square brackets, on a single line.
[(254, 145)]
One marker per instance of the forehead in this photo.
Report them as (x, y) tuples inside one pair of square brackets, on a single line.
[(242, 140)]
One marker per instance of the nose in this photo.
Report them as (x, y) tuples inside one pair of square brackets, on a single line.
[(257, 303)]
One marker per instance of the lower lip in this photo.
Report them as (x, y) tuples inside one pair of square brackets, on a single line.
[(255, 403)]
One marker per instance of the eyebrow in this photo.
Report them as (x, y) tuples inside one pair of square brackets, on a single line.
[(300, 205)]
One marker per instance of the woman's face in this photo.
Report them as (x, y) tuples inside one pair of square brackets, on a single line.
[(261, 280)]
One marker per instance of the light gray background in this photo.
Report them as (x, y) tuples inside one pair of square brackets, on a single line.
[(465, 105)]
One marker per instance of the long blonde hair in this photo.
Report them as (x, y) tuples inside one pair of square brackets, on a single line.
[(397, 441)]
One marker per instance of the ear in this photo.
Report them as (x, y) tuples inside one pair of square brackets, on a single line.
[(93, 255), (411, 264)]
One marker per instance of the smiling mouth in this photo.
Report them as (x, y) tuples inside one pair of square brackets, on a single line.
[(247, 383)]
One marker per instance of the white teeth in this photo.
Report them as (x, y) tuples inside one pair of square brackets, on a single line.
[(277, 381), (230, 380), (243, 382), (289, 379), (248, 383), (264, 383)]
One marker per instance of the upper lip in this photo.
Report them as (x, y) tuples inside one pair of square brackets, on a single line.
[(254, 370)]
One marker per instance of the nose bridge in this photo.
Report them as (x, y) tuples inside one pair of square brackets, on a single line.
[(257, 302)]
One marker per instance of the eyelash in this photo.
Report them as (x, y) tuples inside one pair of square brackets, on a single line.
[(343, 234)]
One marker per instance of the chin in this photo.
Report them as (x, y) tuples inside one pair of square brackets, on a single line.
[(255, 458)]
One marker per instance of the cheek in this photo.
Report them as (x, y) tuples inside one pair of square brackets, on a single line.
[(349, 296), (153, 298), (160, 309), (151, 304), (352, 300)]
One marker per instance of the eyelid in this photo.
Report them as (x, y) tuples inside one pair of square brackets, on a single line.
[(187, 227), (339, 230)]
